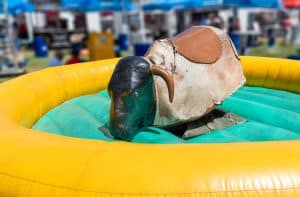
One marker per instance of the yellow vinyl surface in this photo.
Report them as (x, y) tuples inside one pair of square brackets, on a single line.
[(37, 164)]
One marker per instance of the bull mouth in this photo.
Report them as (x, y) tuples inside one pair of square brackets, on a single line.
[(123, 134), (116, 133)]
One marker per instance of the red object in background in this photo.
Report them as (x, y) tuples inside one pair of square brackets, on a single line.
[(287, 23), (291, 3), (106, 13), (73, 60), (52, 14)]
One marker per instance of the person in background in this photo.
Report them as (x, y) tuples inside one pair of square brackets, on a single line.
[(287, 29), (233, 25), (256, 31), (271, 37), (56, 60), (20, 58), (204, 21), (233, 32), (84, 54), (75, 58), (216, 21)]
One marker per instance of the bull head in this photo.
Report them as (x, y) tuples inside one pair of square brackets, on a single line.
[(132, 93)]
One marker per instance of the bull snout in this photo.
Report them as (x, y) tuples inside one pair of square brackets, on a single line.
[(117, 112), (119, 123)]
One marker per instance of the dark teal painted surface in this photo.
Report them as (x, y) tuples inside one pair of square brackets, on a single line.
[(271, 115)]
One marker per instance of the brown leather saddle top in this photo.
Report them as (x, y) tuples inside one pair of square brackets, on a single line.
[(198, 44)]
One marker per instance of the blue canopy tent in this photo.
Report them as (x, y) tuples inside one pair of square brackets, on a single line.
[(254, 3), (165, 5), (16, 7), (97, 5), (179, 4)]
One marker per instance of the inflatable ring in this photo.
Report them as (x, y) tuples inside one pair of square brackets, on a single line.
[(34, 163)]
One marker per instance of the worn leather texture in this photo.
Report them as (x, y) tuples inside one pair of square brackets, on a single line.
[(197, 86), (198, 44)]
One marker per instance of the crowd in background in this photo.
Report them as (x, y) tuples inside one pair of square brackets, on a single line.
[(261, 30), (259, 27)]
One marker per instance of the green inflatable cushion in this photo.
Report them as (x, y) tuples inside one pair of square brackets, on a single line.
[(270, 115)]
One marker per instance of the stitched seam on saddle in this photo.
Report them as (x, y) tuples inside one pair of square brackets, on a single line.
[(175, 51)]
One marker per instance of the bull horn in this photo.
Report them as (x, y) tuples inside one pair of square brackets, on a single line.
[(156, 70)]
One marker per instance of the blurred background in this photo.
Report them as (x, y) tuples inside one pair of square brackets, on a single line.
[(35, 34)]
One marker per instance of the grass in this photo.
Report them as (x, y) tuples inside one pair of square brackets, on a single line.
[(34, 64), (279, 50)]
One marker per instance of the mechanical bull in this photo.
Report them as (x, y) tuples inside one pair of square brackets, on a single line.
[(177, 81)]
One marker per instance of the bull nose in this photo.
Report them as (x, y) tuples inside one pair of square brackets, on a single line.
[(117, 113), (120, 130), (121, 134), (117, 118)]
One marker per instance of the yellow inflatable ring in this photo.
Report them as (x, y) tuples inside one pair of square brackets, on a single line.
[(36, 163)]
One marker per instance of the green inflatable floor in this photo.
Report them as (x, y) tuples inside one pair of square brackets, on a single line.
[(270, 115)]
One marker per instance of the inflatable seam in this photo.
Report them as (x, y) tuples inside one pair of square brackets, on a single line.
[(141, 194), (280, 98), (256, 118), (286, 104), (86, 110), (275, 79), (38, 105), (56, 124), (63, 82), (289, 81), (56, 130), (266, 76)]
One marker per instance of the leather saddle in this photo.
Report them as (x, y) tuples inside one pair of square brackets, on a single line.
[(198, 44)]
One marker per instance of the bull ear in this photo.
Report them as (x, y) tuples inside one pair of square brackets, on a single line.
[(167, 76)]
